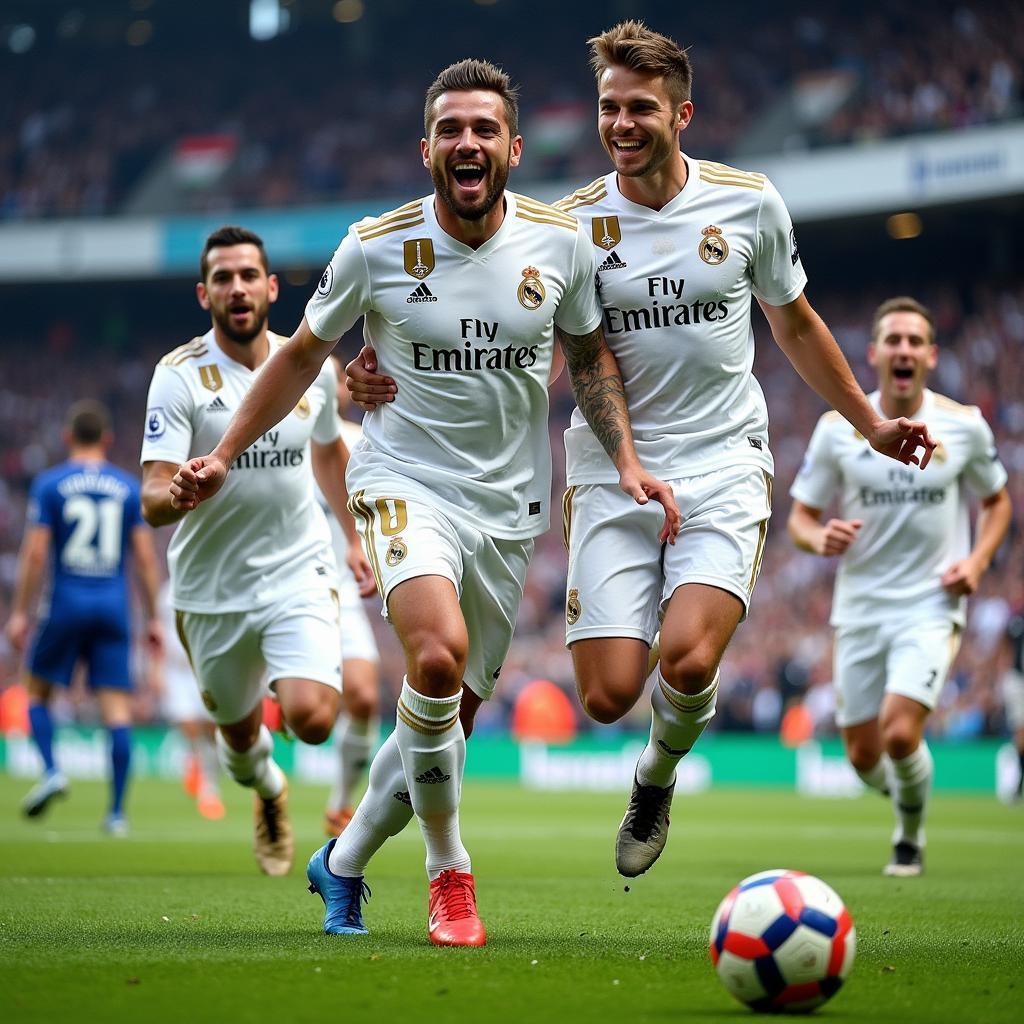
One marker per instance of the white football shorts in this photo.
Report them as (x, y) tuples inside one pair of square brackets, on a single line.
[(181, 700), (357, 639), (621, 577), (405, 538), (1013, 699), (907, 657), (235, 654)]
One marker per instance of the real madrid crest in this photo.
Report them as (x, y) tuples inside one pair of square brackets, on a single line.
[(303, 409), (531, 291), (396, 551), (573, 609), (713, 248)]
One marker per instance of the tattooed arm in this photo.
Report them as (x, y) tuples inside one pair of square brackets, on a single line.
[(601, 397)]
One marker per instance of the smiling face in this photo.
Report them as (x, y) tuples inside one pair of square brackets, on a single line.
[(903, 354), (237, 291), (637, 120), (470, 151)]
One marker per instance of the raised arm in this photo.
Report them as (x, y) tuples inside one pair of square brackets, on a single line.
[(286, 377), (810, 347), (601, 397)]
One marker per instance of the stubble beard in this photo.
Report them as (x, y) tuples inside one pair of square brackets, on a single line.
[(243, 337), (499, 179)]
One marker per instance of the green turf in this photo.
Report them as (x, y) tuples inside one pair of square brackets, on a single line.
[(175, 924)]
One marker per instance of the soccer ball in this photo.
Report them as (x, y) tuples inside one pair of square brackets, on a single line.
[(782, 941)]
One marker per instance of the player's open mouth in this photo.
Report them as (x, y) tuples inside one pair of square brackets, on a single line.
[(903, 372), (468, 175), (629, 145), (238, 312)]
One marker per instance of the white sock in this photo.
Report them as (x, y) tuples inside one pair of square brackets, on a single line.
[(912, 781), (209, 763), (255, 767), (878, 777), (354, 739), (383, 812), (677, 720), (433, 748)]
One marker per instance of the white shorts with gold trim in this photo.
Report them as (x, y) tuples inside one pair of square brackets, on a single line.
[(910, 658), (1013, 699), (235, 654), (407, 537), (620, 575)]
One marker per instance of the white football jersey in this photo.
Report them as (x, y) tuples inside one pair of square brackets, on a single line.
[(676, 288), (916, 522), (467, 334), (263, 534)]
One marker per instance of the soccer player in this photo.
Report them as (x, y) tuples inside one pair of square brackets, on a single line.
[(461, 291), (683, 246), (1013, 692), (355, 732), (182, 706), (906, 563), (84, 517), (252, 577)]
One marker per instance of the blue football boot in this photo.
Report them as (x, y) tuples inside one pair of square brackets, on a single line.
[(342, 896)]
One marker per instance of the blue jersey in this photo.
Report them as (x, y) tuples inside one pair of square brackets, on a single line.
[(91, 510)]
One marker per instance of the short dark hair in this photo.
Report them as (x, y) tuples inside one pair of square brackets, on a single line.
[(230, 234), (87, 421), (903, 304), (467, 76), (631, 44)]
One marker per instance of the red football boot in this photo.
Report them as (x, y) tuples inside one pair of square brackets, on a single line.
[(453, 918)]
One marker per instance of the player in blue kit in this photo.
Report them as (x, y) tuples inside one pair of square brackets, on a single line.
[(84, 515)]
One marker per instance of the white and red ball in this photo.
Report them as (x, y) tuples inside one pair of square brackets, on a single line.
[(782, 941)]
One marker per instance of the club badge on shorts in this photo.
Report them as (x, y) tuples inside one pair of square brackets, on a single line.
[(397, 550), (573, 609)]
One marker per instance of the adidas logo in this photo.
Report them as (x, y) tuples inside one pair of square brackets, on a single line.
[(612, 262), (421, 294), (217, 405), (403, 798), (865, 453), (671, 751), (432, 776)]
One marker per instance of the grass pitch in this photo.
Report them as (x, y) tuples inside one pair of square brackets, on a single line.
[(175, 924)]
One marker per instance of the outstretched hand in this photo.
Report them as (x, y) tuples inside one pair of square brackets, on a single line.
[(361, 570), (641, 486), (367, 387), (196, 481), (901, 438)]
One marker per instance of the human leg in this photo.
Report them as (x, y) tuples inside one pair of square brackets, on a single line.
[(355, 737), (53, 783), (115, 710)]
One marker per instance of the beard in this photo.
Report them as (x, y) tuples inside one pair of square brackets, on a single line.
[(242, 336), (465, 211)]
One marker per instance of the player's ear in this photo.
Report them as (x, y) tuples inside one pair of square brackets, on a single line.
[(872, 354), (684, 113), (515, 151), (273, 287), (202, 296)]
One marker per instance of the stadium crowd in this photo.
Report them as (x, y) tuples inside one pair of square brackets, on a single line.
[(78, 143), (780, 657)]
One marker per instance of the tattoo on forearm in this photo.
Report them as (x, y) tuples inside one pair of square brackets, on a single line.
[(597, 387)]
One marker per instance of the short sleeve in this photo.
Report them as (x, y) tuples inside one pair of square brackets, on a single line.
[(168, 430), (42, 510), (777, 273), (819, 478), (580, 312), (343, 294), (983, 473), (327, 429)]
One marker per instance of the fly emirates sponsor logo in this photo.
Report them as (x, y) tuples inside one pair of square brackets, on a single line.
[(480, 350), (265, 454), (667, 308)]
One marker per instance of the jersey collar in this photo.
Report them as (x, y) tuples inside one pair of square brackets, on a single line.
[(460, 248), (682, 198)]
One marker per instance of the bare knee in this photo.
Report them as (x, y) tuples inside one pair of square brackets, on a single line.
[(438, 667), (360, 705), (901, 740), (689, 670), (609, 702), (862, 758), (311, 715)]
